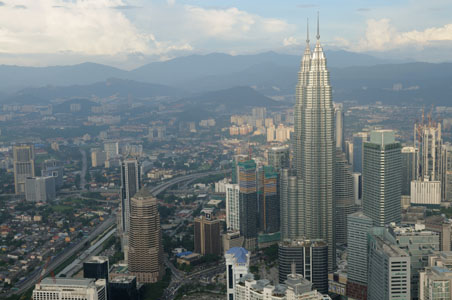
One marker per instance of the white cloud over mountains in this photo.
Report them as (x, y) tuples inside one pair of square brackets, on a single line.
[(382, 36)]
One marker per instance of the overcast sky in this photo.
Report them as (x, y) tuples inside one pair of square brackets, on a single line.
[(129, 33)]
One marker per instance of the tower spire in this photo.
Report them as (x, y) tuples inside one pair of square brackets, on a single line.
[(307, 31), (318, 30)]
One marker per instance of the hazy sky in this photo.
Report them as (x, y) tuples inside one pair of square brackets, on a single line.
[(128, 33)]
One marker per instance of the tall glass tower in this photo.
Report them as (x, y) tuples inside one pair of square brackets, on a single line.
[(314, 147)]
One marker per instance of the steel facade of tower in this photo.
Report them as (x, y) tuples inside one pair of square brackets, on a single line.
[(314, 148)]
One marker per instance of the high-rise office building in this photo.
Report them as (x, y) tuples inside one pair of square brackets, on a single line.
[(130, 185), (425, 193), (96, 267), (409, 163), (419, 244), (268, 200), (55, 168), (232, 206), (310, 258), (24, 166), (358, 188), (40, 189), (339, 126), (358, 148), (248, 207), (358, 225), (382, 178), (207, 236), (289, 208), (70, 289), (314, 150), (343, 194), (123, 288), (237, 266), (145, 242), (279, 157), (388, 267)]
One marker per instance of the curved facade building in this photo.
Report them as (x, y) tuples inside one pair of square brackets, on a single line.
[(145, 251), (310, 258)]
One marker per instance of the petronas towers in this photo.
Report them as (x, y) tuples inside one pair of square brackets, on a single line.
[(308, 203)]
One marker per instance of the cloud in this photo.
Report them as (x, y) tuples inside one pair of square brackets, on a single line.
[(90, 27), (171, 2), (290, 41), (381, 35), (2, 3), (363, 9), (307, 5), (20, 6)]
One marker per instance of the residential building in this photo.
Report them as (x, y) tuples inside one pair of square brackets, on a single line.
[(55, 168), (111, 148), (40, 189), (24, 166), (98, 157), (232, 206), (382, 177)]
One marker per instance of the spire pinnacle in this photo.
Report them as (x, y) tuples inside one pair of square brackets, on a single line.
[(307, 31), (318, 30)]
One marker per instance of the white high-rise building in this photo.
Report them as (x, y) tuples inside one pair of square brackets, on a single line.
[(232, 206), (70, 289), (237, 266), (426, 193)]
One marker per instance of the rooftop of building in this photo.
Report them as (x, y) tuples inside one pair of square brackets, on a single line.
[(417, 229), (97, 259), (389, 248), (239, 253), (123, 279), (82, 282)]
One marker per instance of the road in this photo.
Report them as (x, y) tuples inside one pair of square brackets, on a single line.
[(178, 280), (161, 187), (62, 257)]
